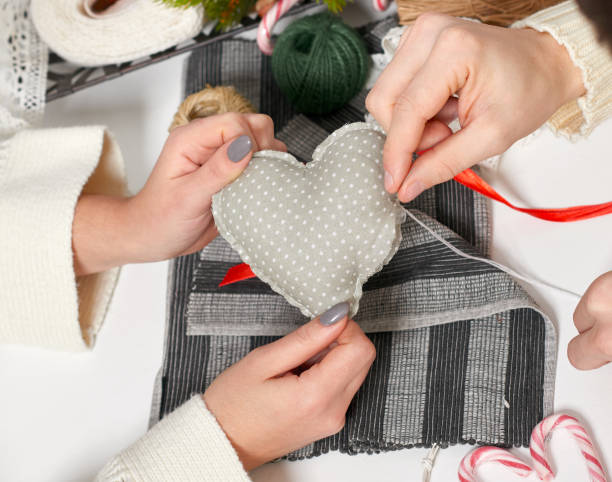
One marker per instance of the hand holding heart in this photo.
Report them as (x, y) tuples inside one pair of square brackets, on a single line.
[(287, 394), (508, 83), (171, 215)]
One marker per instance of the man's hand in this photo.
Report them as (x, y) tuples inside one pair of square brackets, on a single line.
[(592, 348), (171, 215), (287, 394), (508, 82)]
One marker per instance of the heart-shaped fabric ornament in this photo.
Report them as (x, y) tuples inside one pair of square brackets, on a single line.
[(314, 232)]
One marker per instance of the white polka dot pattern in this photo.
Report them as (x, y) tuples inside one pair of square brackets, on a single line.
[(316, 232)]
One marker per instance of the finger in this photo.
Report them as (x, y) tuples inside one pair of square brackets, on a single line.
[(355, 384), (317, 358), (583, 319), (190, 146), (449, 112), (591, 349), (345, 366), (414, 49), (595, 304), (297, 347), (262, 127), (426, 95), (448, 158), (223, 167), (433, 133)]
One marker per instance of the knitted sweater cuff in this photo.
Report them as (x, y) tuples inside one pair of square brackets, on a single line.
[(571, 29), (187, 445), (42, 174)]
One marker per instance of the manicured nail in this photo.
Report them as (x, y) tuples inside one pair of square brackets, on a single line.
[(334, 314), (239, 148), (411, 191), (388, 181)]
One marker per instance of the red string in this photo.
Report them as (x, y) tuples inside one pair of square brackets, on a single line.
[(471, 180)]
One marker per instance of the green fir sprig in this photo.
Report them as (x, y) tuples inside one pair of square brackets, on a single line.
[(334, 6), (229, 12), (226, 12)]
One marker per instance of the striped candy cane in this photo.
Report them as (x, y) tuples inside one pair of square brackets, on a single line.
[(381, 5), (539, 440), (541, 435), (264, 31), (471, 462)]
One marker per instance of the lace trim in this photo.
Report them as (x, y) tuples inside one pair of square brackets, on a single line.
[(23, 69)]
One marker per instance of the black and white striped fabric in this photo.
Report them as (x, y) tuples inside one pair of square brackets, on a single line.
[(463, 354)]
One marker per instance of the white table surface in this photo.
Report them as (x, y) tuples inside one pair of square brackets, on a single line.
[(63, 416)]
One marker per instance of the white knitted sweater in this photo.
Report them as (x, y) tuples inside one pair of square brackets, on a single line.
[(44, 171)]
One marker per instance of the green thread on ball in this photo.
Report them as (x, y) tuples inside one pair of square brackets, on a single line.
[(320, 63)]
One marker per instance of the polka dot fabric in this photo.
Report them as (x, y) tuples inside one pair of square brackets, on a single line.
[(314, 232)]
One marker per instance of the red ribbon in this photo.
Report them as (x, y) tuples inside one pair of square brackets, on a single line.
[(237, 273), (471, 180), (563, 215)]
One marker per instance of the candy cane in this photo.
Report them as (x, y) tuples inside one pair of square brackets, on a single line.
[(264, 31), (539, 440), (381, 5), (541, 435), (469, 464)]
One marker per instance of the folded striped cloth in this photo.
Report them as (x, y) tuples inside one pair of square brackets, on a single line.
[(463, 354)]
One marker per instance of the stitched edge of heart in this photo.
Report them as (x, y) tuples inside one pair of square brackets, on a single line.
[(319, 152)]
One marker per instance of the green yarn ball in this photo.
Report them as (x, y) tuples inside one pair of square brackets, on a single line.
[(320, 63)]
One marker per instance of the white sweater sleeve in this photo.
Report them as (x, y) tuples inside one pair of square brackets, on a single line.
[(573, 30), (42, 174), (187, 445)]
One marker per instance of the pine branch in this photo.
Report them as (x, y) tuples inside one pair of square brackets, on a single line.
[(182, 3), (230, 12), (335, 6)]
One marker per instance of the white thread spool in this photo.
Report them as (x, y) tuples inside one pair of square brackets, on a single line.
[(124, 31), (113, 9)]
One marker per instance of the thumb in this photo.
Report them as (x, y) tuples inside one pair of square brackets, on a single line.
[(448, 158), (302, 344), (223, 167)]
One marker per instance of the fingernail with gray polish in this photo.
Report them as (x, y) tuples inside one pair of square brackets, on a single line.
[(334, 314), (239, 148)]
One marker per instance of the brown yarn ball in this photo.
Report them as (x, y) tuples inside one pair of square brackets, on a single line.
[(496, 12), (210, 101)]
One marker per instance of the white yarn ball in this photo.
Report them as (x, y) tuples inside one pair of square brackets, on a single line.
[(128, 30)]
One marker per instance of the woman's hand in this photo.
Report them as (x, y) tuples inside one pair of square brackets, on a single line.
[(171, 215), (592, 347), (508, 83), (268, 408)]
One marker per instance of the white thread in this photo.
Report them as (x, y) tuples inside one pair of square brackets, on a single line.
[(428, 462), (495, 264)]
